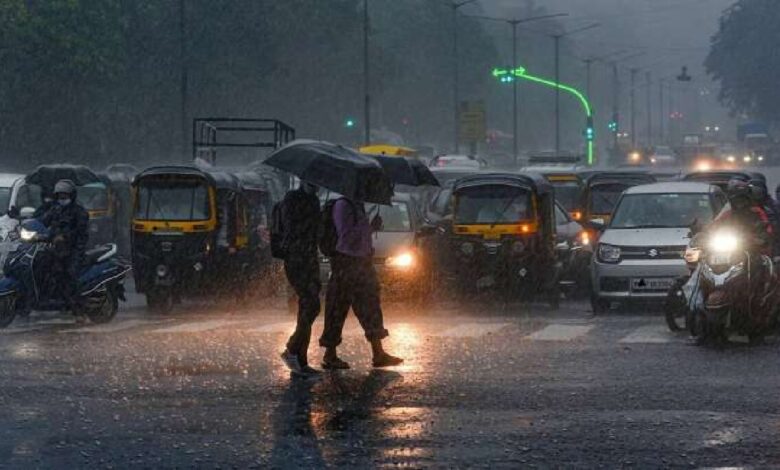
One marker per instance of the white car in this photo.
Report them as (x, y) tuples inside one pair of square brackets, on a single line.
[(640, 253)]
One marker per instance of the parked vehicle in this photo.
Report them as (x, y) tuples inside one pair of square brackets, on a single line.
[(100, 282), (639, 255), (504, 235), (193, 234)]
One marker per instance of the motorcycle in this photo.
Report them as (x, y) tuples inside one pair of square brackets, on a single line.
[(25, 287), (738, 289), (685, 294)]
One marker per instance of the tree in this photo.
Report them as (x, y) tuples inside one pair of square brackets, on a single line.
[(744, 59)]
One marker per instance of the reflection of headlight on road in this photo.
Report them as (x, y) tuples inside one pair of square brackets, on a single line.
[(467, 248), (26, 235), (723, 242), (404, 261)]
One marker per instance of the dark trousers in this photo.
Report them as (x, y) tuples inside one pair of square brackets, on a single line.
[(304, 276), (353, 283)]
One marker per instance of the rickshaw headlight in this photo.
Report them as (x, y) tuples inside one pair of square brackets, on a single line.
[(162, 270), (609, 253), (467, 248), (518, 247)]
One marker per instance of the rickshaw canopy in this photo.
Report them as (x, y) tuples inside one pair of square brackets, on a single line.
[(392, 150)]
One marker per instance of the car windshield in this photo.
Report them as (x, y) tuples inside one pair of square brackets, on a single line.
[(568, 194), (94, 197), (5, 200), (396, 218), (603, 197), (162, 200), (670, 210), (493, 204)]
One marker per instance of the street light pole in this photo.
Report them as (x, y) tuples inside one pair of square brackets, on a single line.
[(455, 69), (367, 101), (183, 78), (648, 77), (661, 111), (557, 38), (615, 104), (634, 71)]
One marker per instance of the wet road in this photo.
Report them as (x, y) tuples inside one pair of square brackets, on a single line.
[(482, 386)]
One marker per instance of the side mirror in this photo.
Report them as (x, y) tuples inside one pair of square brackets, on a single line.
[(26, 213)]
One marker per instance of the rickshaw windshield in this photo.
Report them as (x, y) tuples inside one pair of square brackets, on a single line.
[(604, 197), (493, 204), (94, 197), (568, 193), (183, 200)]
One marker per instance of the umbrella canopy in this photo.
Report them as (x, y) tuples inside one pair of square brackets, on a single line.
[(408, 171), (46, 176), (381, 149), (336, 168)]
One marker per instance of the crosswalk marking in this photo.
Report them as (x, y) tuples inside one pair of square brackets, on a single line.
[(472, 330), (558, 332), (113, 327), (198, 327), (651, 334)]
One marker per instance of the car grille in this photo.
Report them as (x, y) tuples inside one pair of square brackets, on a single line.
[(652, 252), (614, 284)]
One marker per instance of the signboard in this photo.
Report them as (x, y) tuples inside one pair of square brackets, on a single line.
[(471, 121)]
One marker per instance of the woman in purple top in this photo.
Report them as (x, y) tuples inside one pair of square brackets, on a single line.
[(353, 283)]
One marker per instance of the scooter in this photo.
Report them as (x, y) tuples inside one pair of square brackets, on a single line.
[(739, 291), (26, 287)]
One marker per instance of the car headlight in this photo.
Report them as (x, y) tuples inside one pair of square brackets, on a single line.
[(731, 159), (27, 235), (584, 238), (723, 242), (747, 158), (467, 248), (404, 260), (760, 158), (609, 253)]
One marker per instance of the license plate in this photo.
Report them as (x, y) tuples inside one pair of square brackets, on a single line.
[(652, 283)]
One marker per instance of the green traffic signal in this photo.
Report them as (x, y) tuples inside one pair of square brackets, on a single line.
[(349, 123)]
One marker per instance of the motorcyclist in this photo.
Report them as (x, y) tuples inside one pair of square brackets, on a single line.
[(762, 198), (68, 223), (746, 217), (48, 202)]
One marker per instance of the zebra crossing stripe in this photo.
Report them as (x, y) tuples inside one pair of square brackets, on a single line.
[(558, 332), (650, 334), (472, 330)]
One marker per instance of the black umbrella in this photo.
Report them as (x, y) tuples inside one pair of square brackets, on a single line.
[(46, 176), (336, 168), (406, 170)]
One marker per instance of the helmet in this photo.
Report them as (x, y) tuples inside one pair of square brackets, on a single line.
[(739, 193), (759, 190), (64, 187)]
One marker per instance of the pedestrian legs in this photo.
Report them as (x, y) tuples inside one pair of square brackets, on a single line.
[(304, 276)]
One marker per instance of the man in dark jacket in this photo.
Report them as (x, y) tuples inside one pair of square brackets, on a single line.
[(68, 224), (300, 214)]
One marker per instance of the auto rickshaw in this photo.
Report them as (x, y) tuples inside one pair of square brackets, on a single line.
[(504, 235), (568, 187), (191, 235), (602, 189), (721, 178), (394, 150), (92, 193)]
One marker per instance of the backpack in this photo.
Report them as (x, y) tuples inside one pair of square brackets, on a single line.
[(328, 236), (278, 244)]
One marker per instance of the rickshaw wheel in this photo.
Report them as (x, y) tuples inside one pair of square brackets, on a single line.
[(160, 301)]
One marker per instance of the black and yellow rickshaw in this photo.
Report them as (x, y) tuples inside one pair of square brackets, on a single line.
[(721, 178), (92, 192), (602, 189), (190, 234), (504, 234)]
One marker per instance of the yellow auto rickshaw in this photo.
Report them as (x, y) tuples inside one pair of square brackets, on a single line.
[(392, 150), (190, 234), (504, 235)]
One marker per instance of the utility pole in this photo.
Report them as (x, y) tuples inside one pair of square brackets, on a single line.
[(456, 70), (661, 113), (634, 71), (615, 104), (367, 102), (648, 77), (557, 39), (183, 84)]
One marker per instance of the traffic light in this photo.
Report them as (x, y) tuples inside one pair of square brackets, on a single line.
[(590, 132), (349, 123), (612, 126)]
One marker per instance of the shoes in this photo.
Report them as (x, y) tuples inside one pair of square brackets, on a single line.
[(386, 360), (292, 362), (334, 363)]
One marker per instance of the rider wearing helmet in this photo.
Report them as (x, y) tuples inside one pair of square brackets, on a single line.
[(762, 199), (68, 224), (746, 216)]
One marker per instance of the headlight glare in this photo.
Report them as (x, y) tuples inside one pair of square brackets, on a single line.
[(27, 235), (723, 242), (404, 260)]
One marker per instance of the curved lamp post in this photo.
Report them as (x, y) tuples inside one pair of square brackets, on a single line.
[(508, 75)]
